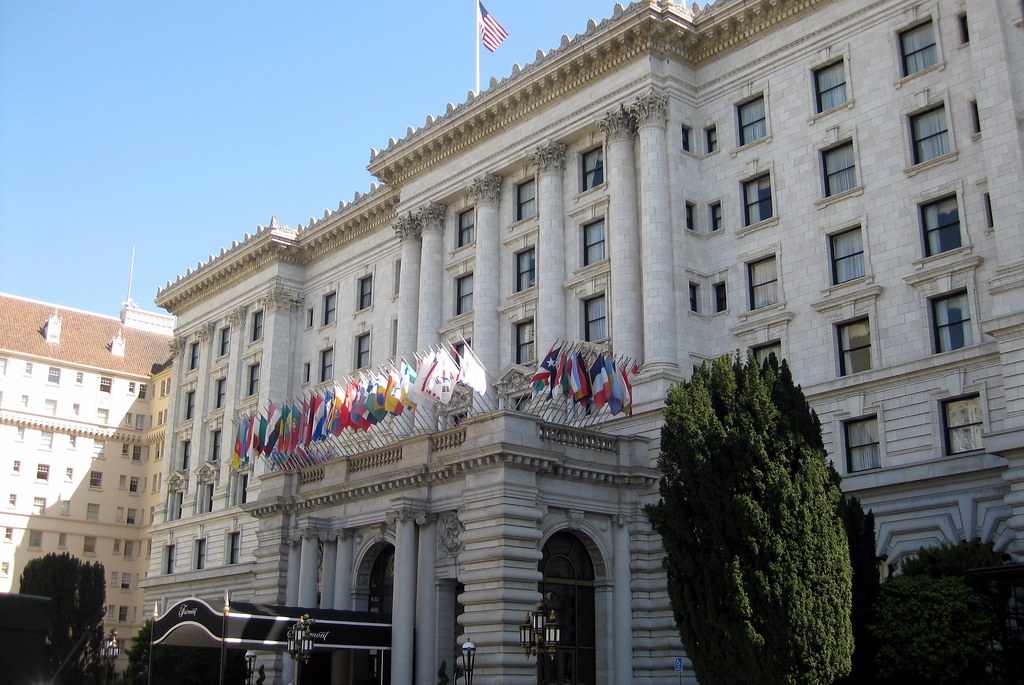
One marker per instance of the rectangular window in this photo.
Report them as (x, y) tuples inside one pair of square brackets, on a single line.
[(62, 540), (467, 228), (220, 387), (524, 342), (862, 444), (930, 134), (126, 581), (190, 404), (764, 278), (186, 454), (711, 139), (54, 375), (854, 347), (694, 291), (917, 48), (16, 467), (593, 242), (234, 547), (105, 383), (763, 353), (39, 505), (721, 297), (253, 386), (526, 199), (309, 317), (256, 326), (330, 307), (305, 372), (43, 470), (593, 169), (839, 168), (691, 210), (830, 86), (89, 545), (122, 482), (847, 256), (133, 484), (326, 364), (207, 501), (757, 200), (975, 117), (46, 440), (50, 407), (225, 340), (941, 223), (990, 220), (365, 290), (95, 479), (715, 216), (193, 356), (464, 294), (965, 33), (199, 561), (686, 132), (951, 316), (92, 512), (215, 441), (397, 285), (362, 350), (35, 539), (28, 368), (752, 120), (594, 319), (168, 559), (526, 269), (963, 421)]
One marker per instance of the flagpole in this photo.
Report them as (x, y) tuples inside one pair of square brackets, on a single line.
[(476, 42)]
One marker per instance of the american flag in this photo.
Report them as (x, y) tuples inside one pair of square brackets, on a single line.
[(491, 32)]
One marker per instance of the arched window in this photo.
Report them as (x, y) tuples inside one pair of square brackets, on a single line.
[(569, 581)]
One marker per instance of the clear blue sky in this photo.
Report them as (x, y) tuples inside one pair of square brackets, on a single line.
[(178, 126)]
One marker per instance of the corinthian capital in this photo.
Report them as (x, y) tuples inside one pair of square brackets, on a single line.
[(431, 216), (486, 189), (619, 124), (550, 158), (651, 109), (407, 227)]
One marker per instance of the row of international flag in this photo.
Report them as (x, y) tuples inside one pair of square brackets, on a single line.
[(585, 379), (287, 433)]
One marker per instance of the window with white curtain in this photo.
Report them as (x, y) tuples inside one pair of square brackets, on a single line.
[(930, 134)]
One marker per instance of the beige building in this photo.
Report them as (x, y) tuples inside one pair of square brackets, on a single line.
[(83, 413), (836, 181)]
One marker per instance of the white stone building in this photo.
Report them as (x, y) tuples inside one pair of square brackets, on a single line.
[(83, 406), (835, 181)]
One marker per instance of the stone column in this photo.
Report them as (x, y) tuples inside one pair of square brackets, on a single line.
[(343, 573), (431, 220), (625, 304), (622, 600), (308, 569), (408, 230), (486, 284), (330, 569), (426, 601), (656, 233), (403, 615), (550, 323), (291, 588)]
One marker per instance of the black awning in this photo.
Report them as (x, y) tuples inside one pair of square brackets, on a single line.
[(194, 623)]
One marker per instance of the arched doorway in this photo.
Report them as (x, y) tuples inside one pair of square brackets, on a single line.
[(375, 666), (568, 578)]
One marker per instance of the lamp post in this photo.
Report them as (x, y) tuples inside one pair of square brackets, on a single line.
[(540, 633), (300, 644), (250, 662), (468, 659), (109, 652)]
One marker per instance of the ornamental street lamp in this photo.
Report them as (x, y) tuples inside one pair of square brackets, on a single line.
[(250, 662), (109, 652), (468, 659), (300, 644), (540, 633)]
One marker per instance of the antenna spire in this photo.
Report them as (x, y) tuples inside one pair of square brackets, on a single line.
[(130, 303)]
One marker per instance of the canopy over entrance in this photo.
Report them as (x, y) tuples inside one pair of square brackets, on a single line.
[(194, 623)]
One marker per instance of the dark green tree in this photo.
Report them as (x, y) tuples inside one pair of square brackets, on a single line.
[(180, 665), (757, 559), (77, 590), (860, 533)]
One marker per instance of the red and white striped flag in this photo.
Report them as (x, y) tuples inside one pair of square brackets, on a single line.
[(491, 32)]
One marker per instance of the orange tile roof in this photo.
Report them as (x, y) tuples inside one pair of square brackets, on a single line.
[(85, 338)]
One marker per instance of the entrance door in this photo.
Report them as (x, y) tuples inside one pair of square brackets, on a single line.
[(569, 578)]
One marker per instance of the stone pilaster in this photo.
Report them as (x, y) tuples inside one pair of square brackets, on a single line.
[(656, 233), (486, 292), (622, 598), (430, 278), (550, 323), (403, 615), (426, 601), (625, 304), (409, 231)]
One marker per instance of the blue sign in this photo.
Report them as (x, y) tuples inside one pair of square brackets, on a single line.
[(679, 664)]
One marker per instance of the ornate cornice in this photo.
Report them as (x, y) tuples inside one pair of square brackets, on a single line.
[(549, 159), (486, 189)]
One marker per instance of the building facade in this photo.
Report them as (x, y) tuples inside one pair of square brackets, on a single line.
[(837, 182), (83, 406)]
